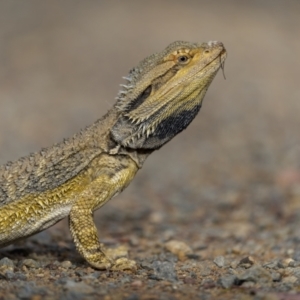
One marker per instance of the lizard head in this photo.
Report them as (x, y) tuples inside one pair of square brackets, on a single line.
[(164, 93)]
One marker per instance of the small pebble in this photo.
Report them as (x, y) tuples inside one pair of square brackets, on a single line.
[(146, 265), (246, 262), (164, 270), (220, 261), (8, 274), (276, 276), (296, 255), (20, 276), (31, 263), (237, 249), (80, 273), (66, 264), (178, 248), (285, 263), (292, 271), (271, 265), (256, 274), (6, 263), (234, 264), (227, 281)]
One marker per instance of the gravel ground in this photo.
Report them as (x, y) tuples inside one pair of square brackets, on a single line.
[(212, 215)]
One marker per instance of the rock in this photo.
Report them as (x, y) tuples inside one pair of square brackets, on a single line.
[(9, 274), (285, 263), (20, 276), (80, 273), (291, 271), (220, 261), (164, 270), (227, 281), (66, 264), (6, 263), (234, 264), (276, 276), (178, 248), (271, 265), (255, 274), (6, 268), (296, 255), (246, 262), (146, 265), (27, 291), (31, 263)]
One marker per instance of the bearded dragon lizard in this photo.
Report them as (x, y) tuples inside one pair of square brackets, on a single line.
[(163, 94)]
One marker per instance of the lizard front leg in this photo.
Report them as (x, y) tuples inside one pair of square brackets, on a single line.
[(114, 176)]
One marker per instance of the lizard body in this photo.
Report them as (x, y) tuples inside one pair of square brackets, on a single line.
[(77, 176)]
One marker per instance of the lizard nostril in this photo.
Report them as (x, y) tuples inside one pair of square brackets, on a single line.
[(206, 51)]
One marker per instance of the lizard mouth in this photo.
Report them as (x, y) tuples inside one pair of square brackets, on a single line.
[(216, 63), (221, 57)]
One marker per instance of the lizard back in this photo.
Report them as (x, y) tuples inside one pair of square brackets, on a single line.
[(53, 166)]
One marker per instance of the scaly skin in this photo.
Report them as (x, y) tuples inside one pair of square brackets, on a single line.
[(74, 178)]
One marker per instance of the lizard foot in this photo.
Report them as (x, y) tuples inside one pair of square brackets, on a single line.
[(112, 259), (119, 258), (123, 263), (102, 264)]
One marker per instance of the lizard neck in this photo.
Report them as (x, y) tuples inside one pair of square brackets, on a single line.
[(100, 133)]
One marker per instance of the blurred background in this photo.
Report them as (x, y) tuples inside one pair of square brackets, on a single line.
[(61, 63)]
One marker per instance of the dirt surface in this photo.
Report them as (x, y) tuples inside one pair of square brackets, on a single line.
[(215, 214)]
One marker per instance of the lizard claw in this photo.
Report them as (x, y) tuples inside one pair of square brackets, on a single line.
[(103, 265)]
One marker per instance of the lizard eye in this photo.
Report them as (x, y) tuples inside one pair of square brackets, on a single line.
[(183, 59)]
